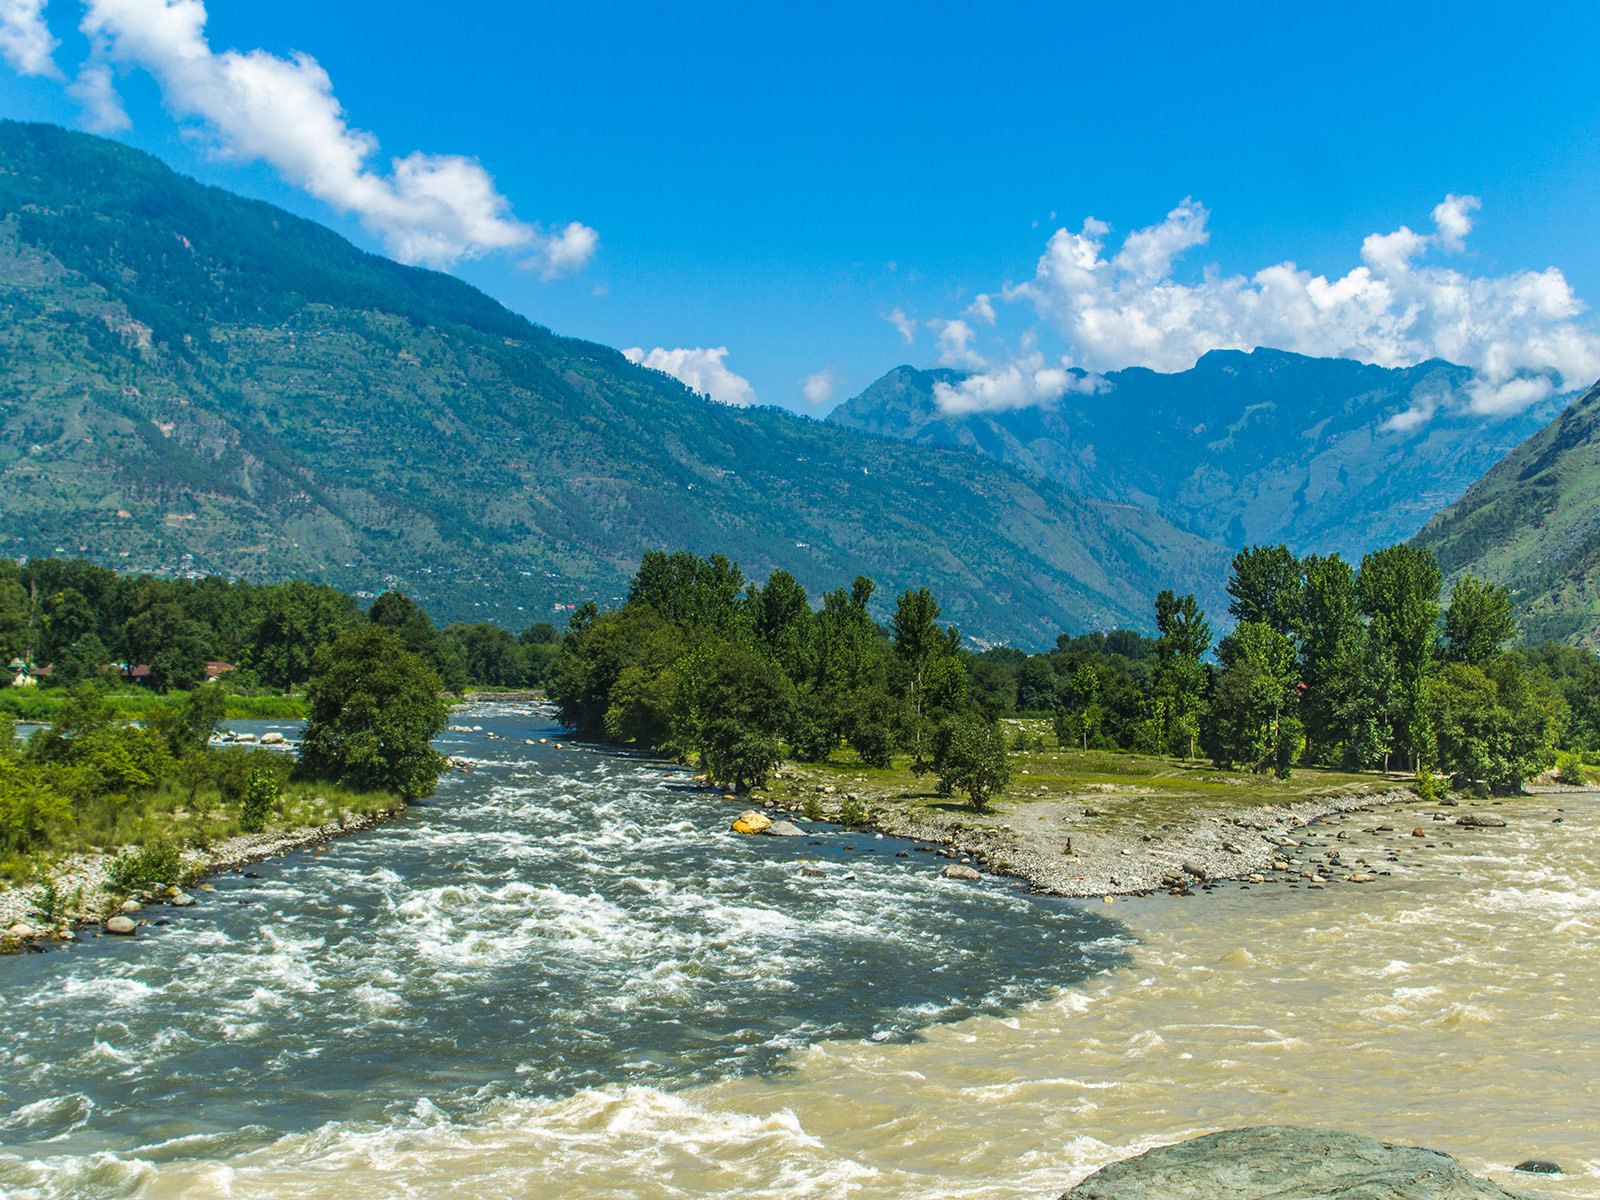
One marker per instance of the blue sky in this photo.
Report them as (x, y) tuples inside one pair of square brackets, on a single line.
[(793, 182)]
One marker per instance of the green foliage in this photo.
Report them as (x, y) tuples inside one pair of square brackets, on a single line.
[(1478, 622), (851, 810), (1496, 725), (48, 904), (811, 808), (973, 760), (1569, 770), (1254, 695), (747, 702), (1425, 785), (260, 796), (32, 813), (1266, 588), (375, 709), (155, 863)]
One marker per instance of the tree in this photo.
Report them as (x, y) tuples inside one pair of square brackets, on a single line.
[(973, 760), (1081, 721), (374, 711), (188, 724), (929, 655), (259, 798), (780, 615), (1478, 621), (297, 618), (747, 703), (1036, 685), (1181, 678), (1255, 692), (1330, 629), (1498, 724), (1399, 591), (1265, 587)]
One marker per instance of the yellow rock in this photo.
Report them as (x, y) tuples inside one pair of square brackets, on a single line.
[(750, 821)]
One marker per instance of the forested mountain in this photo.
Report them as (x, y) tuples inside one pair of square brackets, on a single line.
[(191, 381), (1262, 447), (1533, 524)]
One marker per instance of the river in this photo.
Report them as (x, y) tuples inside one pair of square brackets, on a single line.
[(563, 978)]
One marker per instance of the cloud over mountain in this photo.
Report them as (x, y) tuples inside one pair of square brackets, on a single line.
[(702, 369), (255, 106), (1520, 331)]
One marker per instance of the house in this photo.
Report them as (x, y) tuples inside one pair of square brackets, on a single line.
[(215, 670)]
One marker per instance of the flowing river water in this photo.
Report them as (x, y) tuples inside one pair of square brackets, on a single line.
[(562, 978)]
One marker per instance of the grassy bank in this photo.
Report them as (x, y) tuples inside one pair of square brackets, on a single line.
[(43, 705)]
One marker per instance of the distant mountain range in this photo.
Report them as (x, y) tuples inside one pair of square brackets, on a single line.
[(1533, 523), (1324, 454), (192, 381)]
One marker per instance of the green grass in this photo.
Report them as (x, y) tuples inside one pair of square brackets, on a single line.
[(1133, 790), (42, 704)]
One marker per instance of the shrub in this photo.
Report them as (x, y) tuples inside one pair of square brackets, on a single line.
[(258, 801), (811, 809), (1569, 769), (852, 811), (1425, 785), (156, 862)]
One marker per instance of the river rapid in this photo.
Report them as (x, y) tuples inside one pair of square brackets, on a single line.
[(562, 977)]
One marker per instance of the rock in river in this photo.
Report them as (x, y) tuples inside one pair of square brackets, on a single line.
[(1481, 820), (750, 821), (957, 871), (784, 829), (1286, 1161), (121, 925)]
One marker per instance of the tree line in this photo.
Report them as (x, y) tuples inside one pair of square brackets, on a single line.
[(77, 617), (1328, 664)]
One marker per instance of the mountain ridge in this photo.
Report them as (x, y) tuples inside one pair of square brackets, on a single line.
[(192, 381), (1263, 446)]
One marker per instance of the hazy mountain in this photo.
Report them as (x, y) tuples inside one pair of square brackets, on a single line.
[(1260, 447), (194, 381), (1533, 523)]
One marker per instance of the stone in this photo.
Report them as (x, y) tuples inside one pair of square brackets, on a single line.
[(784, 829), (1191, 869), (1094, 812), (1418, 833), (1361, 877), (130, 906), (273, 739), (1449, 802), (183, 900), (750, 821), (122, 926), (1286, 1161), (1539, 1166), (957, 871), (22, 930), (1481, 821)]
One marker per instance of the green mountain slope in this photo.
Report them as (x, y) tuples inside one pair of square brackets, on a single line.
[(1260, 447), (1533, 523), (190, 381)]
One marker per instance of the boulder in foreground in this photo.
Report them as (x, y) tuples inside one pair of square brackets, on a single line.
[(1286, 1163)]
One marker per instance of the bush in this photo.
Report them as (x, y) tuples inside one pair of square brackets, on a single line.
[(1569, 770), (156, 862), (259, 798), (811, 810), (1425, 785), (852, 811)]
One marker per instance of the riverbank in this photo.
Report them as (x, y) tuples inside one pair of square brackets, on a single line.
[(1107, 839), (84, 880)]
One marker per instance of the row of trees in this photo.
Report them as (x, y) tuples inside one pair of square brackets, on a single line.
[(1327, 664), (77, 617)]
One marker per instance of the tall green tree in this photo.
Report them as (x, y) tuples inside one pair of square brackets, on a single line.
[(1478, 622), (748, 702), (1255, 695), (1331, 631), (935, 677), (1265, 588), (973, 760), (1498, 724), (1399, 591), (375, 708), (1179, 687)]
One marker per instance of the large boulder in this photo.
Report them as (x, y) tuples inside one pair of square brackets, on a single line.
[(121, 925), (784, 829), (750, 821), (1481, 820), (958, 871), (1286, 1162)]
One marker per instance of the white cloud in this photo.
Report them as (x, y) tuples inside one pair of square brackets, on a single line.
[(429, 208), (817, 387), (1518, 331), (26, 42), (907, 327), (703, 370), (1020, 384), (981, 309), (955, 345)]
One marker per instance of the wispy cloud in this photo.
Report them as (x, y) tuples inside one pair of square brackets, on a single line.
[(908, 328), (257, 106), (1022, 383), (702, 369), (26, 43)]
